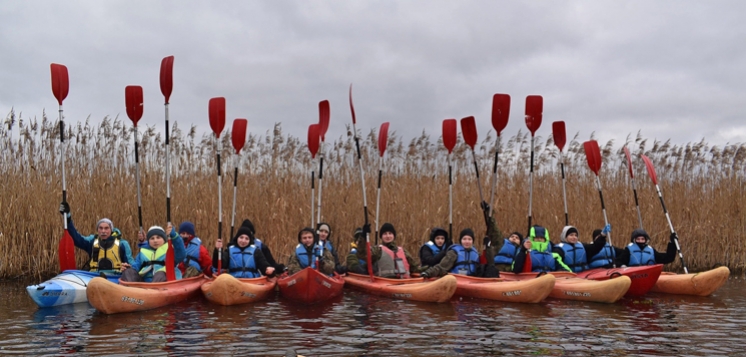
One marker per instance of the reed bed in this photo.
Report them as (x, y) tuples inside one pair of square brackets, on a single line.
[(703, 187)]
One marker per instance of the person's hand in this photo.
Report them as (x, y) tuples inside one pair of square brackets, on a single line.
[(141, 236), (64, 208), (425, 275), (169, 229), (527, 244), (219, 244), (269, 271), (125, 266), (606, 230), (673, 238), (366, 229), (486, 241)]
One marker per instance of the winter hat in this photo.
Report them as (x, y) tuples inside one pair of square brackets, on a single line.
[(309, 230), (539, 231), (241, 231), (639, 232), (567, 231), (247, 223), (358, 233), (520, 236), (156, 231), (465, 232), (437, 231), (387, 227), (326, 227), (107, 221), (187, 227)]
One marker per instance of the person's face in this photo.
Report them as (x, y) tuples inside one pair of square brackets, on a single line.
[(156, 241), (243, 241), (104, 230), (323, 234), (440, 240), (387, 237), (514, 239), (306, 239), (539, 239), (467, 242), (640, 239), (185, 235), (572, 238)]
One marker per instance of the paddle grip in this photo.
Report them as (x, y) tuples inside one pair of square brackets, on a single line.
[(168, 209), (321, 167), (62, 131)]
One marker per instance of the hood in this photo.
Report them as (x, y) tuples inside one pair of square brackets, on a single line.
[(566, 231)]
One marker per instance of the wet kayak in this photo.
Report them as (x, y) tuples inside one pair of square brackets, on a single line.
[(417, 289), (228, 290), (111, 298), (310, 286), (525, 291), (643, 277), (69, 287), (700, 284), (568, 286)]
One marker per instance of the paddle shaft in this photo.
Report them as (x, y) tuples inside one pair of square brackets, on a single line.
[(170, 273), (321, 176), (603, 208), (220, 199), (450, 198), (313, 185), (137, 178), (637, 203), (564, 190), (378, 194), (63, 150), (531, 183), (365, 199), (235, 180), (494, 175), (670, 225)]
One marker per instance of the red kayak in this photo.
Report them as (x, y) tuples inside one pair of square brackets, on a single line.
[(643, 277), (310, 286)]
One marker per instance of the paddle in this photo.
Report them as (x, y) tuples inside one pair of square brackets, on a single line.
[(559, 135), (238, 138), (634, 189), (60, 88), (313, 147), (449, 141), (383, 135), (216, 108), (593, 155), (362, 180), (651, 172), (534, 112), (133, 100), (469, 131), (167, 68), (323, 127), (500, 114)]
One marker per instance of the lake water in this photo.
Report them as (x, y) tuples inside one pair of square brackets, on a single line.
[(357, 324)]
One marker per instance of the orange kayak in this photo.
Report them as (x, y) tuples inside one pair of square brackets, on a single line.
[(643, 277), (526, 291), (700, 284), (111, 298), (417, 289), (569, 287), (228, 290), (310, 286)]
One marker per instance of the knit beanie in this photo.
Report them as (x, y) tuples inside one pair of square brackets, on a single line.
[(325, 226), (107, 221), (465, 232), (566, 232), (309, 230), (247, 223), (437, 231), (387, 227), (187, 227), (243, 230), (520, 236), (156, 231)]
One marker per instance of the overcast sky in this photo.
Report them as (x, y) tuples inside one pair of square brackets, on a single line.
[(671, 69)]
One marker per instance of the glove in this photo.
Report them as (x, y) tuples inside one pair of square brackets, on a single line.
[(486, 241), (485, 206), (366, 229), (673, 238), (64, 208), (425, 275), (606, 230)]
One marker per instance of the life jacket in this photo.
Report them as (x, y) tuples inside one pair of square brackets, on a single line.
[(393, 265), (328, 245), (242, 264), (154, 261), (542, 261), (467, 260), (604, 258), (106, 256), (192, 254), (507, 253), (637, 256), (258, 243), (304, 256), (575, 257), (434, 247)]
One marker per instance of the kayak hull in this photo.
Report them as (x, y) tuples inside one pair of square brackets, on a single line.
[(310, 286), (69, 287), (568, 286), (524, 291), (643, 277), (111, 298), (699, 284), (227, 290), (416, 289)]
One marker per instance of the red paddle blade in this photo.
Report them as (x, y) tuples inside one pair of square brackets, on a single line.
[(469, 131), (559, 134), (593, 155), (527, 265), (651, 169), (167, 76), (629, 162), (500, 112), (238, 134), (170, 266), (217, 115), (134, 103), (383, 138), (324, 113), (66, 251), (449, 134), (352, 107), (60, 81), (313, 139), (534, 111)]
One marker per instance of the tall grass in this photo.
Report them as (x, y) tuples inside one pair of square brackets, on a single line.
[(703, 187)]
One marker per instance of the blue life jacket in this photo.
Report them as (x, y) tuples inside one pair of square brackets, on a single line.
[(604, 258), (637, 256), (507, 253), (575, 257), (303, 256), (258, 243), (467, 260), (328, 245), (433, 247), (192, 254), (242, 262), (542, 261)]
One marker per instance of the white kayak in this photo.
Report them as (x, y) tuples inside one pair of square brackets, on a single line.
[(69, 287)]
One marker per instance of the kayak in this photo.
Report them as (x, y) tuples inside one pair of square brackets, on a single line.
[(700, 284), (227, 290), (69, 287), (526, 291), (417, 289), (111, 298), (568, 286), (310, 286), (643, 277)]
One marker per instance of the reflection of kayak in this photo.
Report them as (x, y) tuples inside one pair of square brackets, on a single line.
[(528, 291), (310, 286), (643, 277), (569, 287), (66, 288), (111, 298), (228, 290), (701, 284), (416, 289)]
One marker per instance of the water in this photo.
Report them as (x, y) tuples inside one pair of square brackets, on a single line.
[(357, 324)]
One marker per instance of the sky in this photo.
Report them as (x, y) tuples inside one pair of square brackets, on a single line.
[(667, 69)]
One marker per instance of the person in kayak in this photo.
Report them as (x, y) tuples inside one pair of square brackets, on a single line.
[(242, 259), (324, 232), (432, 252), (355, 264), (279, 268), (505, 256), (608, 254), (150, 264), (463, 258), (639, 251), (107, 249), (198, 260), (575, 254), (307, 253), (391, 261), (543, 259)]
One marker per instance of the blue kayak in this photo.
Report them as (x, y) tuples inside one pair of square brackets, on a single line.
[(69, 287)]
